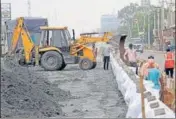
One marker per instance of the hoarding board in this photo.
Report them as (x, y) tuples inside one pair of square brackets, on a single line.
[(5, 12)]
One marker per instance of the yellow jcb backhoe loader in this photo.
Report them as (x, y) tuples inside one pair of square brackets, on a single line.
[(57, 48)]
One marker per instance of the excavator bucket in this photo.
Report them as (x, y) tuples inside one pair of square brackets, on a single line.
[(118, 41), (122, 46)]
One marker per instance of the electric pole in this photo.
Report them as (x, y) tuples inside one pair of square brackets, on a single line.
[(162, 15), (154, 20), (29, 8), (158, 12), (162, 22), (149, 30)]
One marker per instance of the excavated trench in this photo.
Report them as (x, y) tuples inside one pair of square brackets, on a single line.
[(32, 92)]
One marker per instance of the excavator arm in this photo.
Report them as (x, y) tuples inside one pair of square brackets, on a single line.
[(28, 45), (16, 35), (88, 38)]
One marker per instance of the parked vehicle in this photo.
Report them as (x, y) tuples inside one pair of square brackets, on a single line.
[(138, 47)]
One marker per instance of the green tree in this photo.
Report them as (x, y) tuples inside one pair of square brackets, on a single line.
[(138, 19)]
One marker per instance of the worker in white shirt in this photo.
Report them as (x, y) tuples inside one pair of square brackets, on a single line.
[(106, 56)]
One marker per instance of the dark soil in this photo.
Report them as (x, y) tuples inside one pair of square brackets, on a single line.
[(27, 94)]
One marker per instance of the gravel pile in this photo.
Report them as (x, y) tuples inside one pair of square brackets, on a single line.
[(26, 94)]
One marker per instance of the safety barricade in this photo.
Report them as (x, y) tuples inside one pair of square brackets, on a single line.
[(129, 88)]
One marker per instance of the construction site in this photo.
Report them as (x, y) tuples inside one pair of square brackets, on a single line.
[(47, 72)]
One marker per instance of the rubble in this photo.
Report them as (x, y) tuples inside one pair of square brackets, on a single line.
[(26, 94)]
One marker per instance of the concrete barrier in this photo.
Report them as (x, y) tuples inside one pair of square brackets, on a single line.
[(128, 84)]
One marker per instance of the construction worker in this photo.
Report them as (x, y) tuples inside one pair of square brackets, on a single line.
[(169, 63), (106, 55), (148, 65), (130, 53), (94, 50)]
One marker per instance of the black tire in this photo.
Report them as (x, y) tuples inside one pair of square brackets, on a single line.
[(85, 64), (50, 65), (19, 56), (21, 62), (63, 66), (94, 65)]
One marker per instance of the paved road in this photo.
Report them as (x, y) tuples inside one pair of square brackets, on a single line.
[(159, 57)]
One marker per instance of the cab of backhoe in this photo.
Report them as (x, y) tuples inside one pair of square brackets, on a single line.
[(58, 37)]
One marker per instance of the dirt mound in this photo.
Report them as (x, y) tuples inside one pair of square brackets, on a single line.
[(26, 94)]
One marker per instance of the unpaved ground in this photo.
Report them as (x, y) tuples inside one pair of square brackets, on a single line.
[(95, 91), (27, 93)]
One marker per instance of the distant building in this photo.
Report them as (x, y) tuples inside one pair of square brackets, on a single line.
[(145, 3), (109, 23), (5, 16)]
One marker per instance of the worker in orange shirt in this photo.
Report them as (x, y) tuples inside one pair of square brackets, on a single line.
[(148, 65), (169, 63)]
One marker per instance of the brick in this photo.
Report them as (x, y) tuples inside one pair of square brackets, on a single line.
[(160, 111), (151, 98), (147, 94), (138, 88), (154, 105)]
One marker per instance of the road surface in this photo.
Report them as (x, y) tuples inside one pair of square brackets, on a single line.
[(96, 92)]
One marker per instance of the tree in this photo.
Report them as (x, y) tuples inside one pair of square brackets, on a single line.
[(137, 18)]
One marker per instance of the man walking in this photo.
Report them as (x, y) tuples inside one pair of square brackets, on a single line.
[(106, 56)]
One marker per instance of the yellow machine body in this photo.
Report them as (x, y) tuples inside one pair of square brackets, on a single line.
[(75, 49)]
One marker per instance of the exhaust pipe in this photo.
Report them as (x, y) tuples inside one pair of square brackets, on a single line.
[(73, 31)]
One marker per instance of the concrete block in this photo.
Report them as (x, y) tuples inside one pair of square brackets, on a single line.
[(160, 111), (154, 105), (138, 89), (151, 98), (147, 94)]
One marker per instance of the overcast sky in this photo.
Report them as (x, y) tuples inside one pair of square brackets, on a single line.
[(82, 15)]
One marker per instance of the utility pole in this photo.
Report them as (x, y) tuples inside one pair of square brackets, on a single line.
[(149, 30), (162, 22), (154, 20), (162, 15), (158, 12), (154, 31), (29, 7), (144, 31)]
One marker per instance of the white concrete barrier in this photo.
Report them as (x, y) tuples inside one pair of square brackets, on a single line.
[(129, 89)]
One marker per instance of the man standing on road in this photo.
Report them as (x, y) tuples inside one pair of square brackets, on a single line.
[(94, 49), (106, 55), (131, 54), (169, 63)]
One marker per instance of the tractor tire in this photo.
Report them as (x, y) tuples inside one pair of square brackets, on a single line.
[(51, 61), (63, 66), (85, 64), (19, 57), (21, 62), (94, 65)]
